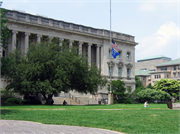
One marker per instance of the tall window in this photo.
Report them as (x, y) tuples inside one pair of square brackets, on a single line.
[(119, 56), (128, 72), (178, 67), (174, 67), (110, 53), (119, 71), (128, 55), (110, 71)]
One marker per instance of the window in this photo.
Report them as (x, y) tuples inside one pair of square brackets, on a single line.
[(167, 76), (145, 69), (152, 70), (174, 67), (119, 56), (4, 53), (178, 67), (155, 76), (110, 71), (178, 74), (128, 55), (110, 53), (174, 75), (164, 68), (159, 76), (119, 71), (128, 72)]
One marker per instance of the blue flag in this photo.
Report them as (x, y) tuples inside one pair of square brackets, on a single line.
[(115, 50)]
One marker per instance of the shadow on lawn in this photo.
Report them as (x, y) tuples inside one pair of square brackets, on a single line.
[(4, 112)]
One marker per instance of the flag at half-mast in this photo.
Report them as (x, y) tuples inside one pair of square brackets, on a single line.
[(115, 50)]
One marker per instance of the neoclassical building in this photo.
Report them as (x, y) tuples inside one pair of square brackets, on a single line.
[(95, 43)]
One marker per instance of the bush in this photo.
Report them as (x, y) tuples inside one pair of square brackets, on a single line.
[(13, 101), (152, 95), (5, 94)]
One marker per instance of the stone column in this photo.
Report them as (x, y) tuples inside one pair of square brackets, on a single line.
[(61, 41), (26, 42), (80, 47), (50, 37), (39, 38), (71, 43), (89, 53), (97, 56), (13, 43)]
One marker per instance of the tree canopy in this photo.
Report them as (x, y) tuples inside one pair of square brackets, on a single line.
[(48, 68), (152, 95), (4, 29), (168, 85)]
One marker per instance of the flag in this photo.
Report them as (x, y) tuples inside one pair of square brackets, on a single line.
[(115, 50)]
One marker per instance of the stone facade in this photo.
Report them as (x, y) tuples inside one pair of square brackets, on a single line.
[(27, 28)]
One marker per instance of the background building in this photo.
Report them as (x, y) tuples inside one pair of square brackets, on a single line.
[(153, 69)]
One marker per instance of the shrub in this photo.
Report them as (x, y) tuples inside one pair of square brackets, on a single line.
[(13, 101), (152, 95), (5, 94)]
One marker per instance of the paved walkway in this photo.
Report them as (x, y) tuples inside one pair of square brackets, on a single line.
[(27, 127)]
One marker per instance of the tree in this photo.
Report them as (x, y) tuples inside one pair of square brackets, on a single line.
[(150, 86), (168, 85), (118, 89), (139, 85), (4, 29), (48, 68), (152, 95)]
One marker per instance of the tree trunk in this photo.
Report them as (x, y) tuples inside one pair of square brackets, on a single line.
[(49, 100)]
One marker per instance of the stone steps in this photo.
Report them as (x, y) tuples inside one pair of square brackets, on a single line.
[(59, 101)]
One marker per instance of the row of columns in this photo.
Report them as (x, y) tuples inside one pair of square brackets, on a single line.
[(26, 44)]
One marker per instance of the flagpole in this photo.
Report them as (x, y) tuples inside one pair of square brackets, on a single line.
[(110, 46)]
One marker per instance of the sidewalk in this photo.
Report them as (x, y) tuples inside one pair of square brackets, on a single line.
[(27, 127)]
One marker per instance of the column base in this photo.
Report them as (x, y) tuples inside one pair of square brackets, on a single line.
[(110, 99)]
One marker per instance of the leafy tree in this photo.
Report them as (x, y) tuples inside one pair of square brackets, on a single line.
[(152, 95), (168, 85), (48, 68), (4, 29), (139, 85), (117, 88), (119, 91), (150, 86)]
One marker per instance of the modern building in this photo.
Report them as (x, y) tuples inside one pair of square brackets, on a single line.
[(169, 70), (149, 63), (27, 28)]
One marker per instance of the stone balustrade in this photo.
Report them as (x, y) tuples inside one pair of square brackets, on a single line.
[(29, 18)]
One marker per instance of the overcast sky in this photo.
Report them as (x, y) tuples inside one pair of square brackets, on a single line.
[(154, 23)]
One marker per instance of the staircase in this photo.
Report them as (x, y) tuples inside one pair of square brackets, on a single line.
[(75, 98), (59, 101)]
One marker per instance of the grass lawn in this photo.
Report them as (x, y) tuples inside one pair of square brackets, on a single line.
[(128, 118)]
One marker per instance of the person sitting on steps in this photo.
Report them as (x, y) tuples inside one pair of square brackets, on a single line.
[(64, 102)]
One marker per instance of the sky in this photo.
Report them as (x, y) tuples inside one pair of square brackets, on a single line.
[(154, 23)]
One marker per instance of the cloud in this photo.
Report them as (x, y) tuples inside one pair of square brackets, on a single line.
[(163, 40), (151, 6), (148, 6)]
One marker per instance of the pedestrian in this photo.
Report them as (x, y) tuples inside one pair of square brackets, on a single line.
[(106, 101), (64, 102), (146, 104)]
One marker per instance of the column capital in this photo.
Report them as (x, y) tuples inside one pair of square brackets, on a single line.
[(70, 41), (80, 42), (14, 31), (89, 44), (25, 33), (61, 39), (39, 35)]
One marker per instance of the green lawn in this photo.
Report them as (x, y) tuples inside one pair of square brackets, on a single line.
[(130, 118)]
